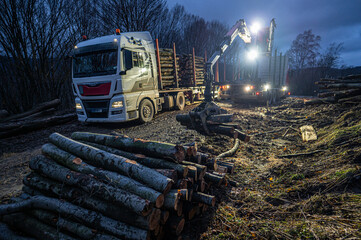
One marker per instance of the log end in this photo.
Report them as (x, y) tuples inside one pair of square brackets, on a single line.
[(164, 217), (180, 227), (159, 201), (180, 153), (154, 218), (168, 187)]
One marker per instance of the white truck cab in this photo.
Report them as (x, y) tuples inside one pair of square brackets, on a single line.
[(115, 78)]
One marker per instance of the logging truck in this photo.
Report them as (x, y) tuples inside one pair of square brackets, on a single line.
[(117, 78)]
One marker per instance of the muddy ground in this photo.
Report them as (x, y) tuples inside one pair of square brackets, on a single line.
[(281, 195)]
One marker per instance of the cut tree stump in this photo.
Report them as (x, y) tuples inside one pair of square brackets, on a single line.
[(308, 133)]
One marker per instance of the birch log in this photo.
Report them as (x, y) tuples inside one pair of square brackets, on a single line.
[(54, 171), (118, 180), (144, 160), (150, 148), (89, 218), (113, 162)]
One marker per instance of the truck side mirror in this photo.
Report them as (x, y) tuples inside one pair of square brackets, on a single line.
[(128, 60)]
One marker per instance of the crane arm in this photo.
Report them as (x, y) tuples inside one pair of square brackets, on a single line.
[(238, 30)]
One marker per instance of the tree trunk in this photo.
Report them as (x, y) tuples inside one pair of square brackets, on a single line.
[(190, 210), (34, 228), (39, 108), (112, 162), (241, 136), (169, 173), (118, 180), (204, 198), (90, 185), (181, 184), (75, 228), (144, 160), (89, 218), (229, 166), (183, 193), (150, 148)]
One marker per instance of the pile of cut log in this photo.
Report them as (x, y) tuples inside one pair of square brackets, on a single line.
[(169, 67), (342, 90), (190, 68), (209, 118), (96, 186), (39, 117)]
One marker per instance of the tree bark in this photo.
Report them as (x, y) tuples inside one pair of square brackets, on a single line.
[(150, 148), (171, 201), (88, 184), (34, 228), (115, 179), (169, 173), (144, 160), (75, 228), (39, 108), (112, 162), (89, 218), (183, 194), (204, 198)]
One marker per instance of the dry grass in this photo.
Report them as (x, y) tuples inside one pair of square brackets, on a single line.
[(306, 197)]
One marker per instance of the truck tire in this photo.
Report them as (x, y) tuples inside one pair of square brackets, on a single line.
[(146, 111), (180, 101)]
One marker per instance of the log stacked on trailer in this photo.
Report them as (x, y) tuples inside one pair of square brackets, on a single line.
[(169, 67), (342, 90), (39, 117), (188, 70), (96, 186)]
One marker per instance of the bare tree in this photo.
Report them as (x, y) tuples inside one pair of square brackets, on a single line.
[(331, 57), (304, 50)]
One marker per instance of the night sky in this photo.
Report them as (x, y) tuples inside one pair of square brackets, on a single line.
[(334, 20)]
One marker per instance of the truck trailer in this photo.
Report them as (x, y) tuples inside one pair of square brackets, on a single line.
[(117, 78)]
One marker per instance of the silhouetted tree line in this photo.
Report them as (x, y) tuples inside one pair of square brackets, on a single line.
[(36, 36), (308, 63)]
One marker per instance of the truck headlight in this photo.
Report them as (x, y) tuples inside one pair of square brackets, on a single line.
[(247, 88), (266, 87), (117, 104), (78, 106), (284, 89)]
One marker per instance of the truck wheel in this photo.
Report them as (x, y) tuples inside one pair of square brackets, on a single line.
[(180, 101), (146, 111)]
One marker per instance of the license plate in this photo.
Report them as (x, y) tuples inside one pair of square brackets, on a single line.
[(96, 110)]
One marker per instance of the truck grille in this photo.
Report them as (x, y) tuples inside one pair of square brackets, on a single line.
[(97, 108)]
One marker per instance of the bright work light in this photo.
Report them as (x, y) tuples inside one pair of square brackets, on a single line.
[(252, 54), (255, 27)]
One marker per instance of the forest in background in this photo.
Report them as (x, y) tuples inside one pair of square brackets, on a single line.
[(37, 36)]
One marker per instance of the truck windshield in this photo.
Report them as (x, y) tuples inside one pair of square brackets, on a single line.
[(95, 63)]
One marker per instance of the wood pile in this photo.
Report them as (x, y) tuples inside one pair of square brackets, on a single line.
[(96, 186), (187, 66), (169, 67), (342, 90), (210, 119), (39, 117), (181, 69)]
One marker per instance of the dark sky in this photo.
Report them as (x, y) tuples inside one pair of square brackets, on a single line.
[(334, 20)]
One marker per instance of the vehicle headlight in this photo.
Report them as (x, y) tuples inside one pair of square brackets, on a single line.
[(247, 88), (266, 87), (78, 106), (117, 104), (284, 89)]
